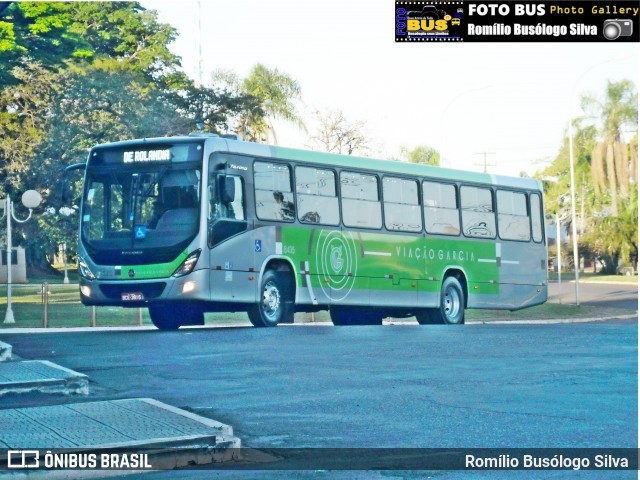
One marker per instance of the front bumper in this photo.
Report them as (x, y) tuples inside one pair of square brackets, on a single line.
[(192, 287)]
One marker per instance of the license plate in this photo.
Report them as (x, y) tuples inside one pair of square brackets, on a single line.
[(132, 297)]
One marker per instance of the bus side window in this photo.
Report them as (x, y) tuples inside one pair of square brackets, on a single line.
[(536, 217), (274, 195), (401, 206), (361, 206), (478, 218), (317, 196), (440, 208), (513, 220)]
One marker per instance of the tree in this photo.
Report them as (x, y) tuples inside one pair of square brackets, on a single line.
[(112, 78), (59, 35), (269, 95), (610, 164), (615, 238), (421, 154), (336, 134), (605, 179)]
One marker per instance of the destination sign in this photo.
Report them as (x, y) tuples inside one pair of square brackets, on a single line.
[(147, 156)]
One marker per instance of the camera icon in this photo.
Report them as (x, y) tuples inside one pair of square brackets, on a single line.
[(615, 27)]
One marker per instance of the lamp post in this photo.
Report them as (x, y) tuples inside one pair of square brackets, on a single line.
[(558, 241), (30, 199)]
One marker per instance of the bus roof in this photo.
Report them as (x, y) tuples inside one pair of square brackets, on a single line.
[(222, 144), (386, 166)]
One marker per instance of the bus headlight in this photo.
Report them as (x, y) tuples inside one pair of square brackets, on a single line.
[(85, 290), (188, 265), (84, 269), (188, 287)]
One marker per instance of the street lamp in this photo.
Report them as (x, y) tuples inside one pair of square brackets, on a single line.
[(30, 199), (574, 229)]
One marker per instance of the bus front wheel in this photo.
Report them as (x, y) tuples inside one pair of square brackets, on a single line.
[(273, 307), (451, 310)]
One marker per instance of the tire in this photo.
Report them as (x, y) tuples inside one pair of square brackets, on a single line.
[(341, 316), (451, 310), (275, 305), (172, 316)]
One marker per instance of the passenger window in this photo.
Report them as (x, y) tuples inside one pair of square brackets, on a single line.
[(317, 196), (513, 220), (536, 217), (401, 206), (478, 218), (274, 196), (441, 214), (360, 200)]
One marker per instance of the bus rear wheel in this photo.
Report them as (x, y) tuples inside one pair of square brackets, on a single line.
[(167, 316), (274, 306), (341, 316), (451, 310)]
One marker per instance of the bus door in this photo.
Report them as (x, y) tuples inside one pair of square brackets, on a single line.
[(231, 257)]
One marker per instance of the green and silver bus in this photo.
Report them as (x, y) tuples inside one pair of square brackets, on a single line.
[(204, 223)]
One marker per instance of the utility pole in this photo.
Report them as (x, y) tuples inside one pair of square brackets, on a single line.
[(485, 164), (198, 28)]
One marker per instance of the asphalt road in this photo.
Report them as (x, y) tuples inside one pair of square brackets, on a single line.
[(595, 294), (559, 385)]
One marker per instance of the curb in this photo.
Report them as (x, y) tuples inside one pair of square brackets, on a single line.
[(127, 328), (162, 437), (601, 282), (5, 351), (42, 376), (554, 320), (186, 328)]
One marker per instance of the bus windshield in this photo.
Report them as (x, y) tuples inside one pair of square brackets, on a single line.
[(150, 211)]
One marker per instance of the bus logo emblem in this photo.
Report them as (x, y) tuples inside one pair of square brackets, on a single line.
[(336, 259), (132, 273), (337, 262)]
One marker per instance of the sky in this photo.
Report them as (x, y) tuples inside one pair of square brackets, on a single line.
[(511, 100)]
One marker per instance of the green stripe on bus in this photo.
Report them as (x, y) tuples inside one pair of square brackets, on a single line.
[(154, 270)]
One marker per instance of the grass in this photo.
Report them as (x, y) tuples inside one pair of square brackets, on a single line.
[(65, 310)]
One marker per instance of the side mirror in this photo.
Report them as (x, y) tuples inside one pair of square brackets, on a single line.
[(65, 179), (227, 188)]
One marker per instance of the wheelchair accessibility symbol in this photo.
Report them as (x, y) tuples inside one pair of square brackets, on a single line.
[(258, 246), (140, 232)]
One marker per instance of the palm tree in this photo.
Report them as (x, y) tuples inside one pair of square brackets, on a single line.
[(610, 157), (274, 93)]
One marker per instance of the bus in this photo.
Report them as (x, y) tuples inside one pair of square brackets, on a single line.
[(207, 223)]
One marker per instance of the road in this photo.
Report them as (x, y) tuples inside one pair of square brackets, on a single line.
[(557, 385), (624, 296), (549, 385)]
